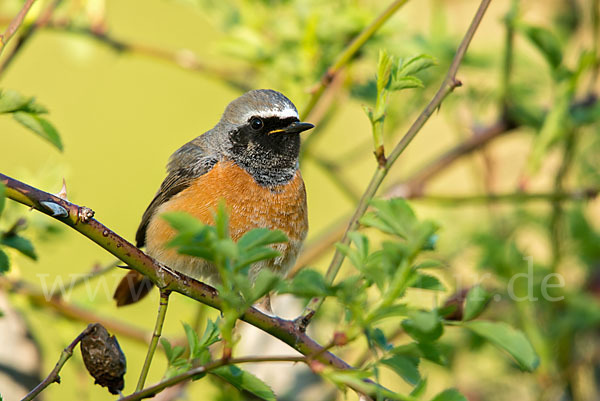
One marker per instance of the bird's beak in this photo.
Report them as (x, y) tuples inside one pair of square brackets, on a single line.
[(293, 128)]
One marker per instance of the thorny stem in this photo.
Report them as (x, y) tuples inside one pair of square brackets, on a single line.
[(15, 24), (450, 82), (347, 55), (160, 320), (53, 377), (71, 215)]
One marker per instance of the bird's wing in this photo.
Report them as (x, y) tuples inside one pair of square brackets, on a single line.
[(188, 163)]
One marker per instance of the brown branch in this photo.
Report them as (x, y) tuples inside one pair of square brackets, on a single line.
[(28, 33), (15, 24), (53, 377), (77, 217)]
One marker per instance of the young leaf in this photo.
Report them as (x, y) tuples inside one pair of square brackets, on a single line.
[(245, 381), (427, 282), (415, 64), (21, 244), (405, 366), (192, 339), (182, 221), (450, 394), (261, 237), (546, 42), (509, 339), (384, 70), (211, 333), (40, 126), (307, 283), (4, 262), (424, 326), (406, 83), (475, 302)]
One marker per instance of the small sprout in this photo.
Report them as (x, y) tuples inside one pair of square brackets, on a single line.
[(104, 358), (316, 366)]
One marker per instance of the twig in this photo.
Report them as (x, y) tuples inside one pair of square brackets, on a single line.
[(556, 217), (160, 319), (53, 377), (450, 82), (574, 195), (15, 24), (74, 312), (41, 21), (347, 55), (157, 388)]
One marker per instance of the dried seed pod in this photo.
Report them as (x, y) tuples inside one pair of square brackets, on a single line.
[(103, 358)]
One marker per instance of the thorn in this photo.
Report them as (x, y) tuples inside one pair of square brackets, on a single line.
[(62, 194)]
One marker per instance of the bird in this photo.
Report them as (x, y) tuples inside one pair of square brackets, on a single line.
[(250, 161)]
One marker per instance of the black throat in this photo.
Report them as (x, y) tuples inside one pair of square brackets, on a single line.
[(270, 158)]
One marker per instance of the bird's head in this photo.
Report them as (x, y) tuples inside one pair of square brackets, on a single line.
[(262, 134)]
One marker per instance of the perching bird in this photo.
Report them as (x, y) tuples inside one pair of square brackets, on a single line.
[(249, 160)]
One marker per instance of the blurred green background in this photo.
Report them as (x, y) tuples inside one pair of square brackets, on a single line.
[(121, 115)]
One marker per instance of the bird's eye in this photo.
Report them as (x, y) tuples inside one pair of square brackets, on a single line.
[(256, 123)]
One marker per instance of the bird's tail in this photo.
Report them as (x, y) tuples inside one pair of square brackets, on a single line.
[(132, 287)]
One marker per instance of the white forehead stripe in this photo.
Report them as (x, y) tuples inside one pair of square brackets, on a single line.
[(288, 112)]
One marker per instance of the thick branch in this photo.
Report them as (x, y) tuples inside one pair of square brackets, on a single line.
[(72, 215)]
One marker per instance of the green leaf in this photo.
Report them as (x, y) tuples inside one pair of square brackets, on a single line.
[(427, 282), (4, 262), (419, 388), (211, 334), (245, 381), (19, 243), (40, 126), (406, 83), (260, 237), (11, 101), (424, 326), (2, 197), (192, 339), (450, 394), (307, 283), (393, 216), (405, 366), (546, 42), (509, 339), (475, 302), (415, 64), (172, 353), (384, 70), (182, 221)]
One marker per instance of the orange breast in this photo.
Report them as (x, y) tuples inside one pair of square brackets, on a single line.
[(250, 206)]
